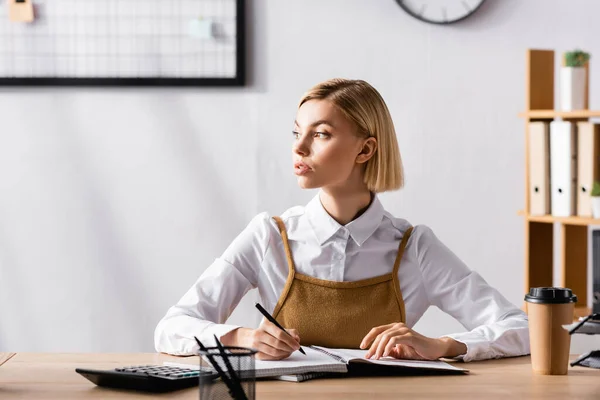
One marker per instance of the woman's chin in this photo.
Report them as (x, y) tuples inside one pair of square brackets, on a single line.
[(306, 183)]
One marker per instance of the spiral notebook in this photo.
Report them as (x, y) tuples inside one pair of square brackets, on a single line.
[(322, 361)]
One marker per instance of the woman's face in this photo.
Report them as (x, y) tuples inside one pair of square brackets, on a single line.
[(326, 145)]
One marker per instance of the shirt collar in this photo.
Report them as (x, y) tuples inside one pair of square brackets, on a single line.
[(360, 229)]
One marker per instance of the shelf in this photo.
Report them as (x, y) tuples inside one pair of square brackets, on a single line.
[(551, 114), (546, 247), (573, 220)]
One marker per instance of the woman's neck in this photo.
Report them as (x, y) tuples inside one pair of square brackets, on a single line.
[(345, 205)]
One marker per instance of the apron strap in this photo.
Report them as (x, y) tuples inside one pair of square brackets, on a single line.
[(401, 248), (395, 280), (286, 244), (290, 261)]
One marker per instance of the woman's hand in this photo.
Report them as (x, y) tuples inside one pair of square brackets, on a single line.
[(399, 341), (271, 342)]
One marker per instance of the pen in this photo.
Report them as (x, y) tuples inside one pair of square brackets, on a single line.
[(233, 376), (230, 385), (274, 322)]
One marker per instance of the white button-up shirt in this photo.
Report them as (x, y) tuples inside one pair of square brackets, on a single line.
[(429, 274)]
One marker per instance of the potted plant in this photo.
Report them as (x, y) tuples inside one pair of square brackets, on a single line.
[(595, 195), (572, 80)]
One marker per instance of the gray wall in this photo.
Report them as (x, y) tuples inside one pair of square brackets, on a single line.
[(113, 201)]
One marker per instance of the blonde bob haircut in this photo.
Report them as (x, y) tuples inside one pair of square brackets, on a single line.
[(362, 104)]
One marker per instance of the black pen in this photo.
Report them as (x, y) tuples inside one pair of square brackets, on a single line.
[(274, 322), (241, 395), (230, 385)]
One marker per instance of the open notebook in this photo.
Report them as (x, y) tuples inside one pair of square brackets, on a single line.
[(319, 361)]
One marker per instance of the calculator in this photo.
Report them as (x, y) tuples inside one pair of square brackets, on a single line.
[(148, 378)]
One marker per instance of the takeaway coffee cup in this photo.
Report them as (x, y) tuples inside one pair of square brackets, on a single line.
[(548, 309)]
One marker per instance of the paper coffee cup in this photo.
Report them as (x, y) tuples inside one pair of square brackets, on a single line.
[(549, 308)]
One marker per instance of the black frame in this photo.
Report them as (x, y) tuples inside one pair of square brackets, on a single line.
[(238, 80), (420, 18)]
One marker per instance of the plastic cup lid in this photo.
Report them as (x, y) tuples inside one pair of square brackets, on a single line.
[(550, 295)]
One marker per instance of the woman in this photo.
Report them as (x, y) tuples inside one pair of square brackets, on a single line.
[(342, 272)]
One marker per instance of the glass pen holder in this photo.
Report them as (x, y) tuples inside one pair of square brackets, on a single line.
[(236, 373)]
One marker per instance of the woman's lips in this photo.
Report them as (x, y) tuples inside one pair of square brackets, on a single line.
[(301, 169)]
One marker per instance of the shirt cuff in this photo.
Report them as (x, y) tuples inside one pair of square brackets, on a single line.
[(477, 345)]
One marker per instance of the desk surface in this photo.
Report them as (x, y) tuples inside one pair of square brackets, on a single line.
[(52, 376)]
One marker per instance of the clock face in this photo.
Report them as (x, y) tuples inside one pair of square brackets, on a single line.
[(440, 11)]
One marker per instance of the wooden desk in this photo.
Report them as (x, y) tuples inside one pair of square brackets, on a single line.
[(53, 376)]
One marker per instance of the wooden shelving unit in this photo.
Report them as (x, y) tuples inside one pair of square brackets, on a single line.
[(574, 220), (551, 114), (539, 230)]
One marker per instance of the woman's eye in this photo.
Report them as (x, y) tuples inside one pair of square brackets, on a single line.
[(321, 135), (295, 134)]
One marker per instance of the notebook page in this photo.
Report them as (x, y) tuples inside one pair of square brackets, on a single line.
[(353, 355), (297, 363)]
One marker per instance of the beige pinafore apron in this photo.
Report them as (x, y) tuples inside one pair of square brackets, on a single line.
[(338, 314)]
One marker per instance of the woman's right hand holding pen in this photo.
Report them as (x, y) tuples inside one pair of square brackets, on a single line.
[(271, 342)]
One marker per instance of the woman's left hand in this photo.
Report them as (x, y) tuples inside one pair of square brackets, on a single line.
[(399, 341)]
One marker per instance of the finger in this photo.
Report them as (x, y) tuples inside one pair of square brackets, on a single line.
[(294, 334), (387, 337), (396, 337), (286, 340), (373, 347), (260, 337), (277, 343), (403, 340), (373, 333), (271, 351), (389, 348), (406, 352), (268, 357)]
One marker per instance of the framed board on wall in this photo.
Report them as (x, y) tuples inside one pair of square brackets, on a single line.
[(123, 42)]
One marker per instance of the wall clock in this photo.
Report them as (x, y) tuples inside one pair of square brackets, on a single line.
[(440, 11)]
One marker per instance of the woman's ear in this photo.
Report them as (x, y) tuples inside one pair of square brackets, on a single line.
[(367, 151)]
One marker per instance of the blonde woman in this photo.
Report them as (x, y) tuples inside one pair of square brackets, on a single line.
[(341, 271)]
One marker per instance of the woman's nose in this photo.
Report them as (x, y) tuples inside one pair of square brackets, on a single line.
[(301, 146)]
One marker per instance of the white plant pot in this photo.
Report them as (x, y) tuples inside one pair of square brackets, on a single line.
[(572, 88), (596, 207)]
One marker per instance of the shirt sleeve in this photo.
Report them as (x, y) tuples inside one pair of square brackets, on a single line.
[(496, 327), (204, 308)]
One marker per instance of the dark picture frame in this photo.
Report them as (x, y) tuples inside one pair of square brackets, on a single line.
[(238, 80)]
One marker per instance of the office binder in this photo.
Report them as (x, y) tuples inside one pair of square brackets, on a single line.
[(588, 165), (539, 168), (563, 168)]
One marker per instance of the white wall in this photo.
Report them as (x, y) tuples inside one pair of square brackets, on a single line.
[(113, 200)]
